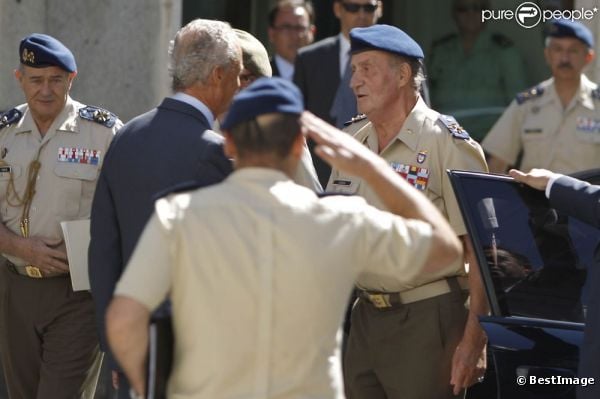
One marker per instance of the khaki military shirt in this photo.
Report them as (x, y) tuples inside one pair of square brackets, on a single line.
[(421, 153), (551, 137), (259, 270), (71, 154)]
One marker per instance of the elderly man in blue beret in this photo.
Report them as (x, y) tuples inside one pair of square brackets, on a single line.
[(411, 341), (51, 152), (259, 268), (556, 124)]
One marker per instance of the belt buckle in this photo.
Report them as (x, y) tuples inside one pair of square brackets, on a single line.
[(380, 301), (33, 271)]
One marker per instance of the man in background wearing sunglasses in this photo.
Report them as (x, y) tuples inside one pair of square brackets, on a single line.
[(321, 70)]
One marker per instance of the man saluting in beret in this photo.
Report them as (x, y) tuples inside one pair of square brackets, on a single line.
[(51, 151)]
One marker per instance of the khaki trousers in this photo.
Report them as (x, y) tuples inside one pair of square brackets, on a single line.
[(48, 340), (404, 352)]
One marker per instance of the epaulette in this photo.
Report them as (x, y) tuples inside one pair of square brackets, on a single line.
[(454, 128), (596, 94), (10, 117), (98, 115), (188, 185), (355, 119), (444, 39), (529, 94), (502, 40)]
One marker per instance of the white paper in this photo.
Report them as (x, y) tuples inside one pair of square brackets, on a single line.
[(77, 240)]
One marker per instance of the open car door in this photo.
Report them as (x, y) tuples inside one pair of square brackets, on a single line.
[(534, 262)]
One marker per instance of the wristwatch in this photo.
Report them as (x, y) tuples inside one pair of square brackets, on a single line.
[(134, 395)]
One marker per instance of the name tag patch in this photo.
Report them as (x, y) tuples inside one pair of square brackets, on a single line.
[(79, 155), (416, 176)]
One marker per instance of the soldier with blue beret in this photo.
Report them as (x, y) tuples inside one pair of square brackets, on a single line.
[(556, 124), (51, 151), (396, 347)]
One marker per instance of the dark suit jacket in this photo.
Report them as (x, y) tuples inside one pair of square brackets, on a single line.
[(317, 74), (582, 201), (274, 67), (157, 150)]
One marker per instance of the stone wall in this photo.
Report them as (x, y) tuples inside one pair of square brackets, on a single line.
[(120, 48)]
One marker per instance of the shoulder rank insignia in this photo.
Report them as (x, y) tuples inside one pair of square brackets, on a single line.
[(457, 130), (529, 94), (596, 94), (10, 117), (355, 119), (98, 115)]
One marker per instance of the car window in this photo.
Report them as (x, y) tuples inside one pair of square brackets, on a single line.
[(535, 258)]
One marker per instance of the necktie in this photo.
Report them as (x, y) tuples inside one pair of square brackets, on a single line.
[(344, 103)]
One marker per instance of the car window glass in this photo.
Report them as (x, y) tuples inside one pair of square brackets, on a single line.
[(537, 257)]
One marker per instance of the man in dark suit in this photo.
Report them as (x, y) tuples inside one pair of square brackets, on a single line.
[(291, 26), (580, 200), (322, 70), (167, 146)]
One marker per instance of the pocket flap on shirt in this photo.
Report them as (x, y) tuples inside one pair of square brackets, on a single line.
[(76, 171), (6, 170)]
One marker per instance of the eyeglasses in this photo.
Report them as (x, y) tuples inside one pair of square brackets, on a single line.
[(471, 7), (292, 28), (354, 8), (246, 78)]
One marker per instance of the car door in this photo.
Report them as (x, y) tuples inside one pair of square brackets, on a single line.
[(534, 261)]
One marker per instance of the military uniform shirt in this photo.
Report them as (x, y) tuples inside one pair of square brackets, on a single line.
[(550, 136), (259, 271), (475, 87), (71, 154), (421, 153)]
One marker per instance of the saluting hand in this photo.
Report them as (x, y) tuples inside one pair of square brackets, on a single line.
[(337, 148)]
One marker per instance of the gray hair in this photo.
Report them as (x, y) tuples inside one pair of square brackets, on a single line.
[(198, 48), (417, 69)]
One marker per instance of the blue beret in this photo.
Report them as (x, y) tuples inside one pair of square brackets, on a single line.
[(385, 38), (568, 28), (264, 96), (38, 51)]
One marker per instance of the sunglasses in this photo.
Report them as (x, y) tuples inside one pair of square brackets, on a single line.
[(354, 8)]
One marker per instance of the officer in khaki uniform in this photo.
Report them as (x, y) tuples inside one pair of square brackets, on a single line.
[(403, 340), (51, 151), (555, 125)]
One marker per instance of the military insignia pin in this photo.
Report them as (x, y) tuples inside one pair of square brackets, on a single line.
[(28, 56), (421, 156)]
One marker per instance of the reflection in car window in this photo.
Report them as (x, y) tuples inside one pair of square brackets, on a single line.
[(537, 257)]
